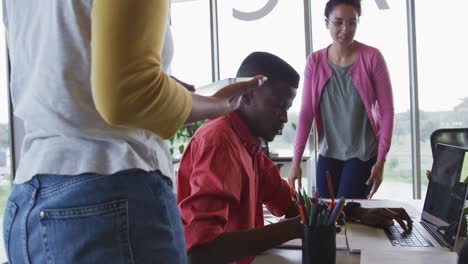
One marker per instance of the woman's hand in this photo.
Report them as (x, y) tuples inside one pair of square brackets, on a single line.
[(232, 94), (295, 173), (223, 101), (376, 177)]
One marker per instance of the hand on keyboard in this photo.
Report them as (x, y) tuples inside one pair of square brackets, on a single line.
[(383, 217), (398, 237)]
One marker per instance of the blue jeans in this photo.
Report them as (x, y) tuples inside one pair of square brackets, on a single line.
[(128, 217), (348, 177)]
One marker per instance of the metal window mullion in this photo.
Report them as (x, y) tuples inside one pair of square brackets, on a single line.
[(215, 73), (413, 74), (308, 27), (309, 50)]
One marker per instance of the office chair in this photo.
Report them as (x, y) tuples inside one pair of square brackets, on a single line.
[(451, 136), (463, 254)]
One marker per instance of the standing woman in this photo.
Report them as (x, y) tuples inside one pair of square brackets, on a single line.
[(92, 185), (347, 92)]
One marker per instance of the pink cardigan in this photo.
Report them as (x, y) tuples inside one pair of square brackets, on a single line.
[(370, 76)]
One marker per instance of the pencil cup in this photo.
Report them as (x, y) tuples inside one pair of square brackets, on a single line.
[(319, 244)]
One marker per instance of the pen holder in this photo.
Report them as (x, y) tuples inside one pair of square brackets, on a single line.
[(319, 244)]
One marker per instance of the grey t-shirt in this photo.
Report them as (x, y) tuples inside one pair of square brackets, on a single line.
[(347, 132)]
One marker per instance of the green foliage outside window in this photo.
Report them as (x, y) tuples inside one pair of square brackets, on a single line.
[(180, 140), (4, 136)]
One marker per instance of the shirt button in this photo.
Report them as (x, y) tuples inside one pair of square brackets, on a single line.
[(42, 214)]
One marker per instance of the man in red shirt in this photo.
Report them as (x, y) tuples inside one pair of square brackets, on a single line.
[(224, 178)]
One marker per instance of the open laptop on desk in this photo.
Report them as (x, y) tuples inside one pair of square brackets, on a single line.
[(439, 225)]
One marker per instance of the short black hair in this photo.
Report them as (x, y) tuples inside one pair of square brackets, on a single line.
[(331, 4), (269, 65)]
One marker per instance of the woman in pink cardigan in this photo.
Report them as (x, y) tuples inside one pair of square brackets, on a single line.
[(347, 91)]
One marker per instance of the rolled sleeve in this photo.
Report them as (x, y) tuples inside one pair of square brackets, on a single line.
[(129, 86), (214, 191), (277, 192), (202, 223)]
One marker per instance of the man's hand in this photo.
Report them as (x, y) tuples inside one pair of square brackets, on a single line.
[(376, 177), (383, 217), (428, 174), (295, 173)]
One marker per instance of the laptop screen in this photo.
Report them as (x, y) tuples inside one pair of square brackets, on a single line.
[(446, 192)]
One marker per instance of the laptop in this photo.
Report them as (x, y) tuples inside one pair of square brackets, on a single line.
[(438, 226)]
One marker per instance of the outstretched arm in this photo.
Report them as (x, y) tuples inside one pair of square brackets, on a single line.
[(231, 246), (128, 84), (306, 118), (384, 95)]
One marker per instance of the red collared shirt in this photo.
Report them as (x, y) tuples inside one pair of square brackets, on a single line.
[(223, 180)]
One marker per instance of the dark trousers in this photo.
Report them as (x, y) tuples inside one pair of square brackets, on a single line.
[(348, 177)]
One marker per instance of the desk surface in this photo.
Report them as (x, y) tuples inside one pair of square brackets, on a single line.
[(282, 256)]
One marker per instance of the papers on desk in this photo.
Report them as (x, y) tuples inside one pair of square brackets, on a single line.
[(413, 257)]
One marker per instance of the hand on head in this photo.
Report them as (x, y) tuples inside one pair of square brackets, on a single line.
[(232, 94), (223, 101)]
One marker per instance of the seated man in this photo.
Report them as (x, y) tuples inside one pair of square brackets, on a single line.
[(224, 178)]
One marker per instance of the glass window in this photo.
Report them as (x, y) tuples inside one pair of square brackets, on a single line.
[(190, 24), (192, 55), (443, 93), (5, 175), (385, 30), (277, 27)]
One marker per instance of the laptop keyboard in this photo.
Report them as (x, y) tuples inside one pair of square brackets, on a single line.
[(398, 237)]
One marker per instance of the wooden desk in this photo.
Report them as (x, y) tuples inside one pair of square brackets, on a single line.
[(286, 256), (280, 255), (294, 255)]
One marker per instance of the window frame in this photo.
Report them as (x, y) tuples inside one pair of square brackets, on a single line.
[(17, 129)]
